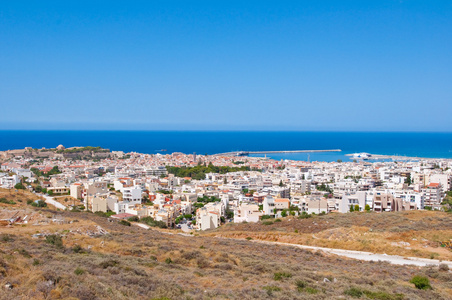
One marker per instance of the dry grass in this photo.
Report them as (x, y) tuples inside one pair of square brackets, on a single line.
[(20, 197), (133, 263), (412, 233)]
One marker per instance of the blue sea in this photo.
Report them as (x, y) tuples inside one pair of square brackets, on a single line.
[(432, 145)]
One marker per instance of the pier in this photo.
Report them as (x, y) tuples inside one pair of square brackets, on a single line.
[(246, 153)]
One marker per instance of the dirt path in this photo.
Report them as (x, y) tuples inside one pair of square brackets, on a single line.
[(368, 256)]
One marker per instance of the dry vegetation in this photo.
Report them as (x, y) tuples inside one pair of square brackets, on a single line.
[(19, 197), (410, 233), (121, 262), (67, 200)]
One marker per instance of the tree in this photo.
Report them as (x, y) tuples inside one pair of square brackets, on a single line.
[(351, 208), (339, 160), (284, 213), (356, 207), (408, 179), (225, 181), (281, 183), (367, 207), (19, 186), (229, 214)]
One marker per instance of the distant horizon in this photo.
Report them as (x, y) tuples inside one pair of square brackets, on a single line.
[(229, 130)]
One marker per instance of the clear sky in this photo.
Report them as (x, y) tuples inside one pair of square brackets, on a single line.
[(226, 65)]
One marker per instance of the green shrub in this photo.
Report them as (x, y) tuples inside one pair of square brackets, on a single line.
[(168, 260), (354, 292), (79, 271), (267, 222), (281, 275), (249, 238), (271, 288), (124, 222), (39, 203), (311, 290), (278, 220), (19, 186), (3, 200), (304, 215), (36, 262), (265, 217), (133, 219), (153, 223), (421, 282), (55, 240), (77, 249), (301, 284)]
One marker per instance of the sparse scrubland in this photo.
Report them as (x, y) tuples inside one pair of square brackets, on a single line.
[(409, 233), (74, 260)]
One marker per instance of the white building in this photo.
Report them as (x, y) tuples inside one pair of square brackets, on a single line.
[(247, 213)]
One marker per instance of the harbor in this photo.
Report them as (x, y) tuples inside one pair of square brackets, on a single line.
[(247, 153)]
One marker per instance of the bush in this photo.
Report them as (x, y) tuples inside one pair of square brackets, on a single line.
[(77, 249), (19, 186), (108, 263), (421, 282), (443, 267), (278, 220), (124, 222), (281, 275), (153, 223), (271, 288), (265, 217), (103, 214), (304, 215), (39, 203), (249, 238), (267, 222), (133, 219), (311, 290), (168, 260), (354, 292), (301, 284), (55, 240), (79, 271), (3, 200)]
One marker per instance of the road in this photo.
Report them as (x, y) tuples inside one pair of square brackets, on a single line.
[(50, 200)]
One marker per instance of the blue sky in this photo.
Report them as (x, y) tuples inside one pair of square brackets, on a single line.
[(226, 65)]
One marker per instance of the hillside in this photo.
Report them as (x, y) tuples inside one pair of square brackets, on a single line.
[(99, 259), (410, 233)]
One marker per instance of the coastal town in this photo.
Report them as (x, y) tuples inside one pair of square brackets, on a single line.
[(201, 192)]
